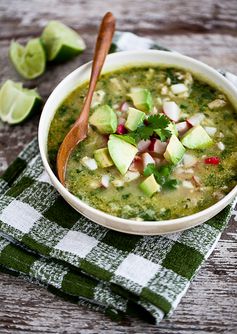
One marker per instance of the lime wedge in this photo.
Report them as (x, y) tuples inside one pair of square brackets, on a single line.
[(61, 42), (29, 61), (17, 103)]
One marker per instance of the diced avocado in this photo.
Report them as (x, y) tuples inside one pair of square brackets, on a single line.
[(121, 152), (141, 98), (104, 119), (174, 151), (196, 138), (150, 186), (134, 119), (103, 158)]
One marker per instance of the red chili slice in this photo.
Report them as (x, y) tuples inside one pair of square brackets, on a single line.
[(212, 161)]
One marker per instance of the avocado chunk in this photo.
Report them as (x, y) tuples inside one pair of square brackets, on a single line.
[(104, 119), (141, 98), (196, 138), (134, 119), (174, 151), (121, 152), (103, 158), (150, 186)]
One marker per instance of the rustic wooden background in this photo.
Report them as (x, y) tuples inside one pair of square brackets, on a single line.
[(204, 29)]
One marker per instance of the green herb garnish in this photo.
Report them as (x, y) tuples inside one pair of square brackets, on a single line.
[(162, 175), (154, 123)]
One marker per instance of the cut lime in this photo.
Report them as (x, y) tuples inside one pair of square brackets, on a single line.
[(61, 42), (28, 60), (17, 103)]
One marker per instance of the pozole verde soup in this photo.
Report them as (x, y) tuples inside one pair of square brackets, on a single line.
[(161, 144)]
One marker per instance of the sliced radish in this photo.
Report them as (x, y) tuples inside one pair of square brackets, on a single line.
[(89, 163), (178, 88), (143, 145), (189, 160), (121, 129), (211, 130), (212, 161), (196, 119), (182, 127), (147, 159), (131, 176), (124, 106), (157, 146), (171, 110), (137, 164), (105, 181)]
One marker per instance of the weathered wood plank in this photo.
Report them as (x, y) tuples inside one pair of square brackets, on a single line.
[(202, 29)]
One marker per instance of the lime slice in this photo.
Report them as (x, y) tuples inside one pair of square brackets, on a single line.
[(17, 103), (29, 61), (61, 42)]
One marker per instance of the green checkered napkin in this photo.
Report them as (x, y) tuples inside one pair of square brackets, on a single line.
[(44, 240)]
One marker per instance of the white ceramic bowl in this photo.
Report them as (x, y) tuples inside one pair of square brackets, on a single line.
[(113, 62)]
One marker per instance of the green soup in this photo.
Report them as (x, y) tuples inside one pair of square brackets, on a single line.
[(177, 170)]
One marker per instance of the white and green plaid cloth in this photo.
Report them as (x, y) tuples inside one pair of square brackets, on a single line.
[(44, 240)]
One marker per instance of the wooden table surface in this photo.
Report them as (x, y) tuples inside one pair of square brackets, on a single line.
[(204, 29)]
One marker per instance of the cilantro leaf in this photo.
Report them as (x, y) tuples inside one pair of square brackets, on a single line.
[(143, 132), (154, 123), (164, 134), (162, 175), (129, 139), (158, 121), (170, 184), (150, 169)]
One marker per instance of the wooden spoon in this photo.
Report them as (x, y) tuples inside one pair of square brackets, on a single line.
[(79, 130)]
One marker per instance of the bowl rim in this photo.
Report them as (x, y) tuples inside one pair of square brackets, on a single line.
[(84, 207)]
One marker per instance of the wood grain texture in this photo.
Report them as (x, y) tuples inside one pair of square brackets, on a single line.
[(206, 30)]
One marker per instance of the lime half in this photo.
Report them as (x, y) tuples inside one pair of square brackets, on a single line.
[(61, 42), (28, 60), (17, 103)]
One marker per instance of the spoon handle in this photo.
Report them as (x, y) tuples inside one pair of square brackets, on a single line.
[(103, 43)]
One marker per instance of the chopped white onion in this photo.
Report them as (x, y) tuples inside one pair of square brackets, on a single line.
[(182, 127), (196, 119), (189, 160), (221, 146), (89, 163), (178, 88), (147, 159), (158, 146), (105, 181), (97, 98), (131, 176), (118, 183), (143, 145), (187, 184), (211, 130), (171, 110)]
